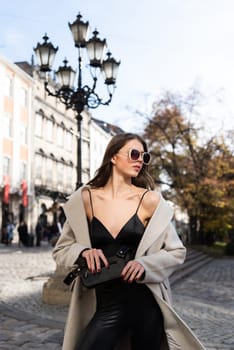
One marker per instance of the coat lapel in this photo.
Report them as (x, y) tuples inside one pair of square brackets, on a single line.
[(157, 224), (75, 213)]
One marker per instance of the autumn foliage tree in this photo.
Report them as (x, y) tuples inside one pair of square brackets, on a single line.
[(197, 173)]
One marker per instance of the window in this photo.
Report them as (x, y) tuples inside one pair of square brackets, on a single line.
[(23, 97), (60, 135), (85, 153), (69, 172), (6, 166), (60, 172), (8, 86), (38, 166), (23, 171), (38, 125), (23, 133), (7, 125), (68, 142), (49, 130), (49, 170)]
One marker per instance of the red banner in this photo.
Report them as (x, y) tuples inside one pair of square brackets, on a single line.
[(6, 190), (24, 189)]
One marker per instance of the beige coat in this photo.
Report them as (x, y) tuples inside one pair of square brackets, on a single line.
[(160, 252)]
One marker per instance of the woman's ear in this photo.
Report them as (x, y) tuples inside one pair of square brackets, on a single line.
[(113, 160)]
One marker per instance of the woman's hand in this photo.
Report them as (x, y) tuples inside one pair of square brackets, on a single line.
[(94, 257), (132, 271)]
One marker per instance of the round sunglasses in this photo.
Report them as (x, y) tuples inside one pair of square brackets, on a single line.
[(135, 154)]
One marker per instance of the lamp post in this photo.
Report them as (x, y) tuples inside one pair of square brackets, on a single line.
[(77, 98)]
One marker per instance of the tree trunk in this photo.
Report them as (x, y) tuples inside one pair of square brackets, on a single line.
[(193, 229)]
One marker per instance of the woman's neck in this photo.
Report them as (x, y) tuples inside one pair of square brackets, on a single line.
[(117, 187)]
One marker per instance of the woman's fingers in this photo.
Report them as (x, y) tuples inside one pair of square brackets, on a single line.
[(94, 261), (93, 258), (132, 271), (103, 258)]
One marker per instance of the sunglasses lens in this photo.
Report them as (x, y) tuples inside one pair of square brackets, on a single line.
[(146, 158), (135, 154)]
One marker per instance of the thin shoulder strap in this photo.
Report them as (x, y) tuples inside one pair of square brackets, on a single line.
[(91, 202), (141, 200)]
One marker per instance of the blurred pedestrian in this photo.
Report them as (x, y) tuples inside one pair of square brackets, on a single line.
[(10, 233), (61, 218), (23, 233), (39, 233)]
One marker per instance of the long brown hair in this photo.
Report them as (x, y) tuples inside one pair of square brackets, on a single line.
[(105, 171)]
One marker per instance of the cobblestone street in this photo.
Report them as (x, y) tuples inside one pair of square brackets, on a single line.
[(205, 300)]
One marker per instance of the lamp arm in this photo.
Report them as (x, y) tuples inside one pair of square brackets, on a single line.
[(110, 92), (94, 85), (106, 103), (47, 89), (93, 100), (49, 92)]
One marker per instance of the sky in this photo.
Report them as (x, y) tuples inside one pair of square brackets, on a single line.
[(166, 45)]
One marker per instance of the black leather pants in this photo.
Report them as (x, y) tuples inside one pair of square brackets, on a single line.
[(123, 309)]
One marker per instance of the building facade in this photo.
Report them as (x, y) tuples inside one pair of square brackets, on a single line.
[(16, 94), (54, 158), (101, 133)]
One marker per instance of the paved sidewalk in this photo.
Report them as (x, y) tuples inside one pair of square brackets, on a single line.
[(27, 323), (205, 300)]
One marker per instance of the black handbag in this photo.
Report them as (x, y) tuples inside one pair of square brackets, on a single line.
[(91, 280)]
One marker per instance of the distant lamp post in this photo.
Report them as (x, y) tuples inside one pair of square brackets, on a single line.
[(77, 98)]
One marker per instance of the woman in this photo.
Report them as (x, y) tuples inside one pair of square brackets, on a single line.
[(117, 208)]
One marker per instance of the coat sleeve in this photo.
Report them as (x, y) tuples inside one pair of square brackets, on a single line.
[(67, 249), (159, 264)]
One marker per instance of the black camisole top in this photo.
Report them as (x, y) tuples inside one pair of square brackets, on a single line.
[(129, 236)]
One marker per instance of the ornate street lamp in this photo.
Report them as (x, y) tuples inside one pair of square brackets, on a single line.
[(77, 98)]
